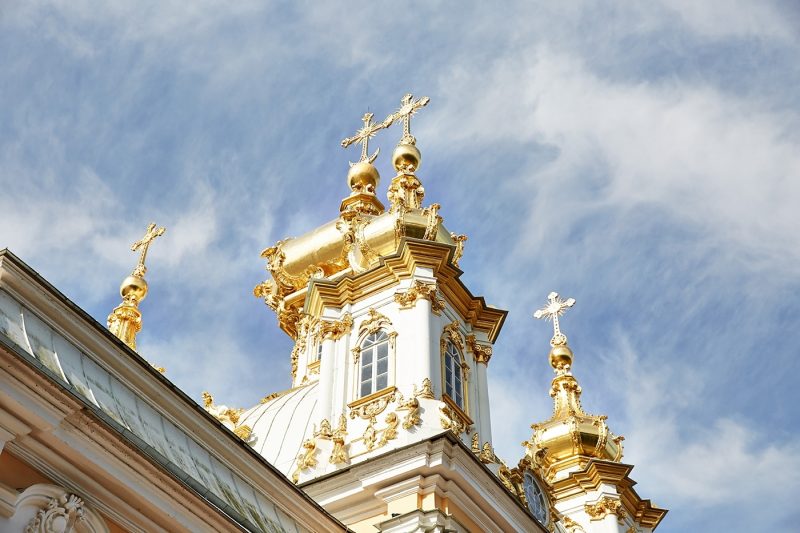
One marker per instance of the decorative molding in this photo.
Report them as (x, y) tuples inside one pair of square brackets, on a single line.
[(339, 452), (482, 352), (459, 240), (454, 418), (604, 507), (374, 322), (426, 391), (572, 526), (306, 459), (228, 416), (452, 332), (411, 405), (59, 516), (417, 291), (371, 406), (432, 213), (335, 330)]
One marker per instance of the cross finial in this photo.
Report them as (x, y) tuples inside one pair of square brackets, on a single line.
[(556, 306), (144, 244), (407, 108), (364, 134)]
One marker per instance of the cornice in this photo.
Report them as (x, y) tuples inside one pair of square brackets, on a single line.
[(599, 472), (391, 270)]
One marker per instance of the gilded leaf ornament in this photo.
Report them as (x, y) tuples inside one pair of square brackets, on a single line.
[(306, 459), (418, 291), (481, 352), (604, 507)]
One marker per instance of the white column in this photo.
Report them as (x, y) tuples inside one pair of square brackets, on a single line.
[(482, 387), (422, 345), (326, 375)]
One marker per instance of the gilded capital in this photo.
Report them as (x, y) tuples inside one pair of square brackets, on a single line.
[(604, 507), (419, 291), (481, 352), (335, 330)]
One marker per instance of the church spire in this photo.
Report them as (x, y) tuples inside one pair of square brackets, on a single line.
[(125, 320), (571, 437)]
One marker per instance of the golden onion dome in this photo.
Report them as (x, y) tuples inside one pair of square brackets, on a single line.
[(571, 436)]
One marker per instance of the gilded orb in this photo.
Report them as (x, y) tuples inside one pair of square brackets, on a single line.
[(406, 157), (363, 177), (133, 288), (560, 356)]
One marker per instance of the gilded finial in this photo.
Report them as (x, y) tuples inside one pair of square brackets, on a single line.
[(560, 353), (406, 156), (363, 135), (144, 244), (556, 306), (125, 320)]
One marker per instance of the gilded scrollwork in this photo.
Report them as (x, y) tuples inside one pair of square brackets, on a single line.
[(373, 406), (426, 391), (481, 352), (572, 526), (459, 240), (306, 459), (339, 452), (432, 213), (390, 432), (334, 330), (420, 290), (452, 332), (453, 421), (374, 322), (604, 507), (228, 416), (411, 417)]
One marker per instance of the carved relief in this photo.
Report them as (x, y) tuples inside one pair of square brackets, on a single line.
[(306, 459), (459, 240), (572, 526), (426, 391), (60, 515), (335, 330), (412, 417), (374, 322), (228, 416), (339, 453), (371, 406), (481, 352), (432, 213), (453, 421), (417, 291), (604, 507)]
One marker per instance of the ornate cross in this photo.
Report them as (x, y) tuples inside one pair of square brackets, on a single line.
[(363, 136), (144, 244), (407, 108), (555, 307)]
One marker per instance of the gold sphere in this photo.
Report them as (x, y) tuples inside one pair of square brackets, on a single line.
[(363, 177), (560, 356), (406, 157), (133, 288)]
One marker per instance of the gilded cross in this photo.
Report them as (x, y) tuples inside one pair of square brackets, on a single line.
[(556, 306), (144, 244), (408, 106), (363, 136)]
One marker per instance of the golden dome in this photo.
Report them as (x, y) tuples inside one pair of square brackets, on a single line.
[(406, 158), (133, 288), (363, 177)]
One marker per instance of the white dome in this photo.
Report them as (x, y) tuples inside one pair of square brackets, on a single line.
[(281, 425)]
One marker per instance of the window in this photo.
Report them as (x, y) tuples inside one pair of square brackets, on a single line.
[(537, 504), (453, 386), (316, 355), (374, 363)]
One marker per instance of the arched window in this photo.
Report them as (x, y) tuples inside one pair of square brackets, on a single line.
[(537, 502), (374, 356), (453, 385)]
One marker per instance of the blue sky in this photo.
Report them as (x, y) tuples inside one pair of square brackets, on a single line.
[(640, 157)]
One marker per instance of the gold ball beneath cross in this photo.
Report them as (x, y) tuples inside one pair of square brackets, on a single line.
[(363, 177), (406, 158), (133, 288)]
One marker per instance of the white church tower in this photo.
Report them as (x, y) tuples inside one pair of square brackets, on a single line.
[(387, 423)]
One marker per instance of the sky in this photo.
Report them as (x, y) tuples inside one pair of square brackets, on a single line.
[(641, 157)]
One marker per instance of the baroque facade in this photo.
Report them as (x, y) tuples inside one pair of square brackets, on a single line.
[(386, 426)]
